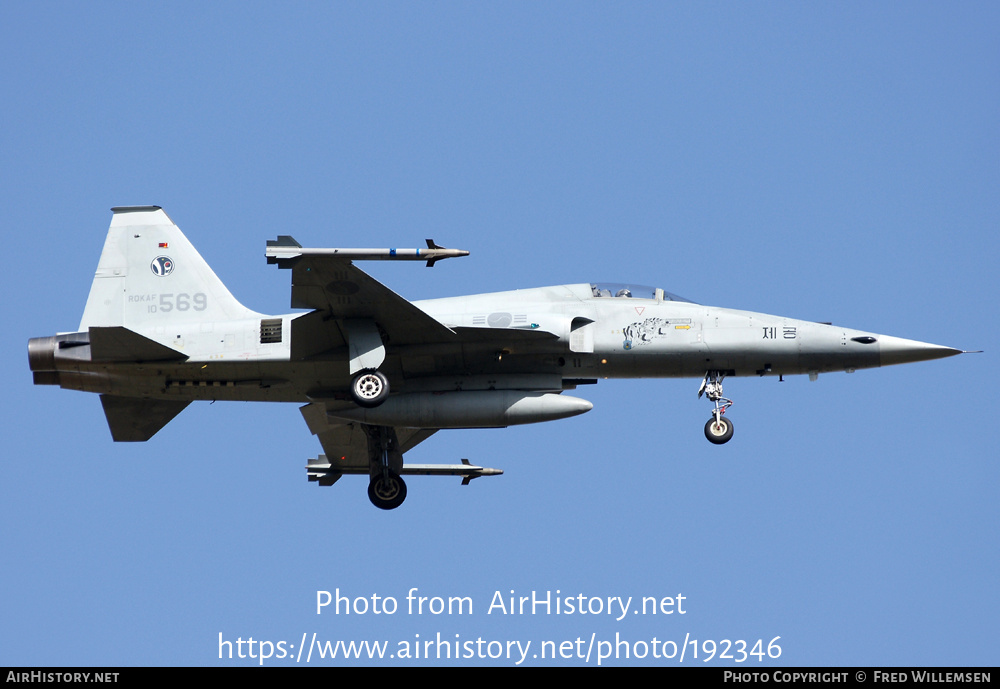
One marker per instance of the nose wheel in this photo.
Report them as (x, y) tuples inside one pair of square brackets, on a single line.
[(718, 430)]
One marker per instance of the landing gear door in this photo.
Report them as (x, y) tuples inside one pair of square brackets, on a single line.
[(364, 343)]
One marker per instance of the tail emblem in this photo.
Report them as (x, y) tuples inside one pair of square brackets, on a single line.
[(162, 266)]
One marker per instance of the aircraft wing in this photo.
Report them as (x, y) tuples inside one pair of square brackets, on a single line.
[(350, 449), (346, 444), (331, 284)]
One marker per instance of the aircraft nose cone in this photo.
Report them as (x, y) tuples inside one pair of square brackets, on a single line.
[(896, 350)]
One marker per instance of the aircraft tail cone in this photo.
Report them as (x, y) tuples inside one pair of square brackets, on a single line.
[(896, 350)]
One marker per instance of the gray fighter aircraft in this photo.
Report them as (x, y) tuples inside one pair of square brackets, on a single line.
[(380, 374)]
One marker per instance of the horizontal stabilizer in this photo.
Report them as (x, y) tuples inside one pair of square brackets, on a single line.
[(135, 420), (120, 344)]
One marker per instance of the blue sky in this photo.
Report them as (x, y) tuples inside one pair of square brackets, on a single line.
[(834, 162)]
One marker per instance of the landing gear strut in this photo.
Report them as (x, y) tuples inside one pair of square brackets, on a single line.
[(718, 430), (386, 489)]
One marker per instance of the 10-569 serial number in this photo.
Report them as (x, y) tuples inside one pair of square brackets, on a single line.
[(179, 302)]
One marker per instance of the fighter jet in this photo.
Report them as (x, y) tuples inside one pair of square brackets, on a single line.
[(379, 374)]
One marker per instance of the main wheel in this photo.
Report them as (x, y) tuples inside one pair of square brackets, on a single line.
[(370, 388), (719, 433), (387, 492)]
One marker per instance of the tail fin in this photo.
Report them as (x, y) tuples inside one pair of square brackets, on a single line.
[(150, 273)]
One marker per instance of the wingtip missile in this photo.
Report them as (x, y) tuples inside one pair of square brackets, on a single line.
[(326, 473), (285, 250)]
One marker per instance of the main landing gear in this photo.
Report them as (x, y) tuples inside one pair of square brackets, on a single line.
[(719, 429), (386, 489), (370, 388)]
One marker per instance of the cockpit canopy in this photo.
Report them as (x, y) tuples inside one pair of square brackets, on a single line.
[(624, 290)]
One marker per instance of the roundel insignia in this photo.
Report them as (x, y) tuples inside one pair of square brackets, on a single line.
[(162, 266)]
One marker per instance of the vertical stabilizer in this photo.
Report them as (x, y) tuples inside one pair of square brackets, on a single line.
[(149, 272)]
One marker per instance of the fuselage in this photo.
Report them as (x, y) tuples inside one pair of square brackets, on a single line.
[(545, 339)]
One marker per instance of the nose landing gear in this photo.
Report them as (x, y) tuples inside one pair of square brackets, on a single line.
[(718, 430)]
